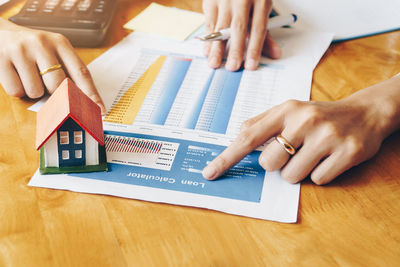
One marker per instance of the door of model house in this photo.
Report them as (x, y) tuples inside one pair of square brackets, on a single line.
[(71, 144)]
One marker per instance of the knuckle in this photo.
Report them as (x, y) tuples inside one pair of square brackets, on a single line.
[(209, 26), (40, 38), (18, 50), (254, 53), (259, 30), (311, 116), (330, 132), (312, 112), (355, 149), (207, 4), (217, 49), (291, 105), (236, 54), (83, 72), (246, 124), (239, 24), (220, 164), (246, 139), (60, 39), (391, 111), (243, 3)]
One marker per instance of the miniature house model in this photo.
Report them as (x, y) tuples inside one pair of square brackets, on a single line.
[(69, 132)]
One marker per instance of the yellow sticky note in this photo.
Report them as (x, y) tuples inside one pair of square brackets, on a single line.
[(169, 22)]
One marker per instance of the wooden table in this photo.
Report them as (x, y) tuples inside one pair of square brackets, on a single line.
[(354, 221)]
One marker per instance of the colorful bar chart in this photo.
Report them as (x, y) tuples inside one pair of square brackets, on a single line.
[(175, 77), (128, 106), (180, 91), (192, 120), (218, 104)]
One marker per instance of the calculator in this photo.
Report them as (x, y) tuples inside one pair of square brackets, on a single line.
[(83, 22)]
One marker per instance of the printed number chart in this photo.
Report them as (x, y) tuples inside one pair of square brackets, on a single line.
[(181, 91)]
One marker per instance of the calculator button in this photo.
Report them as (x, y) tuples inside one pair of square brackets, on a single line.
[(84, 5), (100, 6), (68, 5), (31, 9), (49, 6), (51, 3)]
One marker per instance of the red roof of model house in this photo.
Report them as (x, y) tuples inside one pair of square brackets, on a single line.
[(68, 101)]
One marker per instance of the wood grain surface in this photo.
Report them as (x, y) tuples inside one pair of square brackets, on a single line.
[(354, 221)]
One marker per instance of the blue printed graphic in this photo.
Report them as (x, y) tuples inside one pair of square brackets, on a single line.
[(218, 104), (229, 88), (175, 78), (191, 124), (243, 182)]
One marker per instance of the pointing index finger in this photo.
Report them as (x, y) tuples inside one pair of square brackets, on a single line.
[(246, 142)]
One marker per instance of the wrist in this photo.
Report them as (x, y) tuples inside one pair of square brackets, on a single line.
[(381, 103)]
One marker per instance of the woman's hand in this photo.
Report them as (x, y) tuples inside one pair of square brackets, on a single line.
[(238, 15), (24, 53), (330, 137)]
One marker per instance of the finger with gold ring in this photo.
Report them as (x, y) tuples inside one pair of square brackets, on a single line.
[(285, 143), (50, 69)]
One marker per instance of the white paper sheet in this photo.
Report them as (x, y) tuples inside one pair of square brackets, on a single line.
[(2, 2), (346, 19), (247, 190)]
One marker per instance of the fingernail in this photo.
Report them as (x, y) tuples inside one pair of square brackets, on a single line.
[(209, 173), (261, 161), (232, 65), (277, 52), (102, 107), (264, 163), (213, 62), (251, 64)]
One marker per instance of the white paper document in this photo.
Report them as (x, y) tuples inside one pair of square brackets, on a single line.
[(169, 115), (2, 2), (346, 19)]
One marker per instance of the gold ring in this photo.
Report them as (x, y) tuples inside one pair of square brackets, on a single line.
[(286, 145), (50, 69)]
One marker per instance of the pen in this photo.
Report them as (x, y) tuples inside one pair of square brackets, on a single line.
[(274, 22)]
